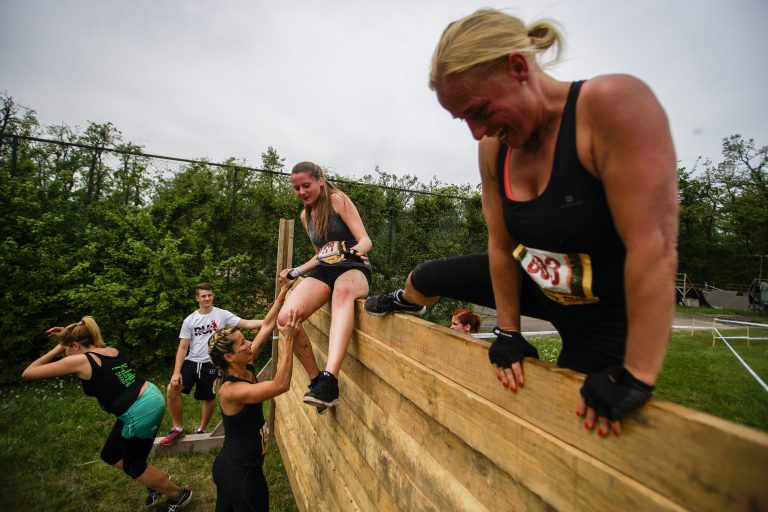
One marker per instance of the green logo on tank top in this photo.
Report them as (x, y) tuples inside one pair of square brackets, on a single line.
[(126, 375)]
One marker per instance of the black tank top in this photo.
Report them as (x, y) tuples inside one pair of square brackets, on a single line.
[(244, 439), (337, 231), (114, 383), (568, 243)]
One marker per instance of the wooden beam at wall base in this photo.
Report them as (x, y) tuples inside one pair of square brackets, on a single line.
[(191, 443)]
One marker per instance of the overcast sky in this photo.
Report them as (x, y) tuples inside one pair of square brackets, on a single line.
[(344, 83)]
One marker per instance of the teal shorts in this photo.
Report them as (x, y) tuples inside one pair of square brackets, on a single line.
[(143, 418)]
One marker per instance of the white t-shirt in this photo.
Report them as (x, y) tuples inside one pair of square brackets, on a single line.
[(199, 328)]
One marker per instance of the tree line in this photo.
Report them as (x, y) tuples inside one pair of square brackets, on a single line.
[(723, 228), (92, 225), (125, 237)]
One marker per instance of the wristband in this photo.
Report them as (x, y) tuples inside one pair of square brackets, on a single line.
[(294, 273), (510, 347)]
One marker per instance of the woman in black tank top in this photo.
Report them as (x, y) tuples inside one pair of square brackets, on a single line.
[(579, 194), (137, 403), (339, 272), (237, 470)]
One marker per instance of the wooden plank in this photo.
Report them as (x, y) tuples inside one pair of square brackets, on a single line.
[(284, 260), (697, 460), (321, 456), (470, 468), (362, 483), (393, 480), (307, 492), (436, 484), (191, 443), (526, 453), (312, 461), (295, 468), (305, 455)]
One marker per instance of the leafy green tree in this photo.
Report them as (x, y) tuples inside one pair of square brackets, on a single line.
[(97, 176), (724, 215)]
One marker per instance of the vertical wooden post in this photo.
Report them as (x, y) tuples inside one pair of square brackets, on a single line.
[(284, 260)]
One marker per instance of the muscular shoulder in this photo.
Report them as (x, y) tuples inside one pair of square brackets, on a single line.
[(616, 111), (488, 150), (610, 100)]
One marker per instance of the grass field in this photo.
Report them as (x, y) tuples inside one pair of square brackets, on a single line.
[(51, 434), (50, 439), (706, 378)]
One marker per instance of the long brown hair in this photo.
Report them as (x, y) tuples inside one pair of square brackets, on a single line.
[(323, 205)]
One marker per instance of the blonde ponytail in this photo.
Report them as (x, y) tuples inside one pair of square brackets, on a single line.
[(487, 36)]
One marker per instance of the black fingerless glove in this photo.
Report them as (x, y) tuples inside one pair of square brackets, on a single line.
[(510, 347), (614, 392), (351, 254)]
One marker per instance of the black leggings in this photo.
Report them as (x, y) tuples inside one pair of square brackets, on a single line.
[(238, 488), (133, 451), (466, 278), (594, 335)]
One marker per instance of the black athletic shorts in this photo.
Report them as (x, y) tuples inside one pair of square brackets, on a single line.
[(200, 375), (328, 274), (594, 336), (133, 451)]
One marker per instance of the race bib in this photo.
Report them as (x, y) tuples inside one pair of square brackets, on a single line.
[(332, 252), (564, 278), (264, 431)]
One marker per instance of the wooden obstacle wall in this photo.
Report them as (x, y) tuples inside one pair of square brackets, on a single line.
[(423, 425)]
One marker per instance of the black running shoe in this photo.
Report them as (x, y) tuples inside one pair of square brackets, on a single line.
[(379, 305), (152, 498), (321, 409), (325, 392), (183, 499)]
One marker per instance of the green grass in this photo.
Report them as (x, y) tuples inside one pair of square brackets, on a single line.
[(51, 434), (50, 439), (708, 379), (742, 314), (712, 380)]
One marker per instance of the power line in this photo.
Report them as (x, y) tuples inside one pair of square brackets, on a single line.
[(217, 164)]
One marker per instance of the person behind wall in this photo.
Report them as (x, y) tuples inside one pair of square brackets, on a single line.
[(237, 470), (192, 366), (340, 271), (579, 190), (137, 403), (465, 321)]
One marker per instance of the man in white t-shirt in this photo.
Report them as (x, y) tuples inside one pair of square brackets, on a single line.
[(193, 366)]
